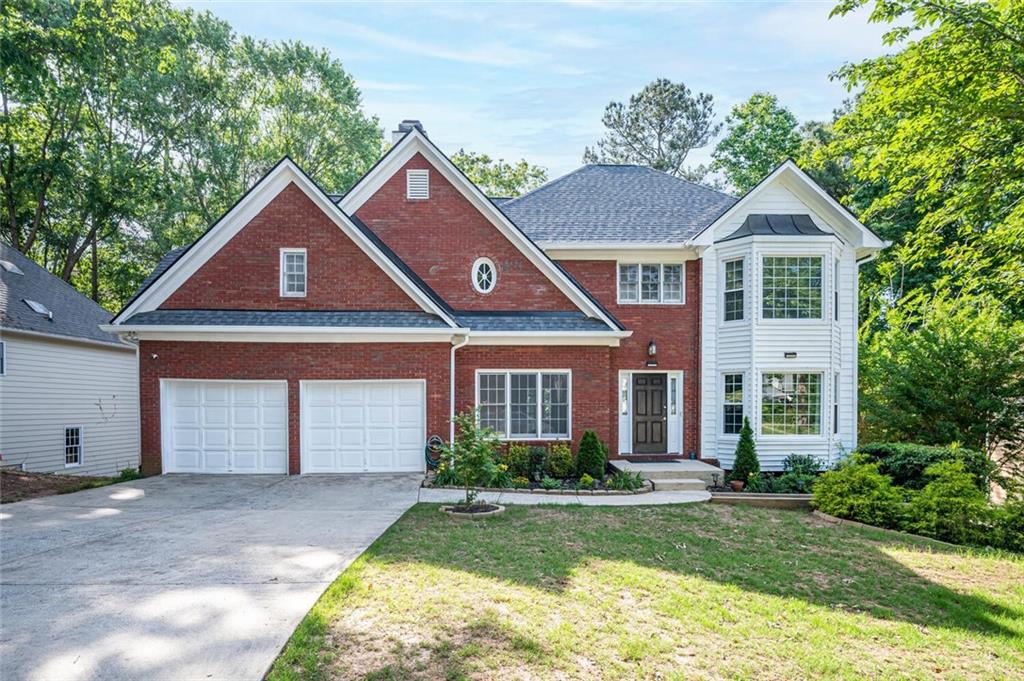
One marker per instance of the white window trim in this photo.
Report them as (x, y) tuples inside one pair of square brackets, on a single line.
[(81, 445), (822, 435), (508, 437), (494, 280), (759, 305), (305, 272), (742, 403), (639, 283), (416, 173), (743, 288)]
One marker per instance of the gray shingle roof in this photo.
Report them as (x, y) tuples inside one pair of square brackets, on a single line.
[(776, 225), (529, 321), (170, 257), (74, 315), (319, 318), (616, 203)]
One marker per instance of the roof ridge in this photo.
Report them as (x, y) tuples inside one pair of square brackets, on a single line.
[(546, 185)]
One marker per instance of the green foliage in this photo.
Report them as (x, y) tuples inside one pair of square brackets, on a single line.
[(520, 482), (760, 134), (498, 178), (746, 461), (858, 491), (560, 461), (538, 462), (945, 370), (592, 455), (474, 455), (445, 475), (548, 482), (794, 483), (516, 457), (625, 480), (587, 482), (130, 474), (657, 128), (759, 483), (802, 464), (1008, 525), (950, 507), (133, 125), (906, 463)]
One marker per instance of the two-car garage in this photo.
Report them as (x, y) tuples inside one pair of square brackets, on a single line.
[(242, 426)]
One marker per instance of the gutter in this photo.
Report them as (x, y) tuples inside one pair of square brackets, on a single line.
[(112, 345), (451, 389)]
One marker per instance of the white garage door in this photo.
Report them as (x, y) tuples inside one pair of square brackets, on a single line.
[(363, 426), (225, 427)]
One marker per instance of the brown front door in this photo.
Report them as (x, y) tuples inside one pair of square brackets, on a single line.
[(650, 414)]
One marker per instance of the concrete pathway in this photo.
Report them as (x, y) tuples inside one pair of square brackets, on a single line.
[(178, 577), (445, 496)]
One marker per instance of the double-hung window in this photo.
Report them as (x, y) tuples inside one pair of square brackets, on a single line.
[(654, 283), (72, 446), (790, 404), (732, 401), (791, 287), (525, 405), (293, 272), (733, 303)]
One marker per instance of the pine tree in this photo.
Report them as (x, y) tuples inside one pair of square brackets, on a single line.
[(746, 461), (592, 456)]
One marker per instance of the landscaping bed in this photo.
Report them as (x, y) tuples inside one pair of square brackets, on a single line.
[(567, 487), (18, 485), (644, 592)]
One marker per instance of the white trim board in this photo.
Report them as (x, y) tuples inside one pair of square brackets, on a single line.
[(416, 142), (248, 207)]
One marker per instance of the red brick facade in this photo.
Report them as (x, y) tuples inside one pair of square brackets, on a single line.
[(675, 329), (245, 273), (440, 238), (293, 362)]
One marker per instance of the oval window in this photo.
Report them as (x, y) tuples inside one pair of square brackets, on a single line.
[(485, 274)]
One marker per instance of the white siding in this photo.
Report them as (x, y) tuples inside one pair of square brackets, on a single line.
[(756, 345), (50, 384)]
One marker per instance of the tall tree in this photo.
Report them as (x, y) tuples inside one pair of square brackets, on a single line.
[(941, 122), (498, 178), (760, 133), (659, 127)]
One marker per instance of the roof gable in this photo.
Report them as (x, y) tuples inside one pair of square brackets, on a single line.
[(415, 143), (173, 271)]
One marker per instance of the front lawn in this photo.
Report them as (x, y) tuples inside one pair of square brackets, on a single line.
[(661, 592)]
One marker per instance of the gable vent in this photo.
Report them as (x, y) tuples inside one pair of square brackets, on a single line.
[(417, 184)]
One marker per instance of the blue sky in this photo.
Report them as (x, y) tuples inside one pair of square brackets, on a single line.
[(531, 79)]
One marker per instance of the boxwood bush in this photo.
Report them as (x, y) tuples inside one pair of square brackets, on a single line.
[(592, 456), (857, 491), (906, 463)]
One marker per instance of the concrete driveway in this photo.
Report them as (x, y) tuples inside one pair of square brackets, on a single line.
[(178, 577)]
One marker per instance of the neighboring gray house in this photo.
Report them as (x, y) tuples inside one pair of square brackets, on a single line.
[(69, 393)]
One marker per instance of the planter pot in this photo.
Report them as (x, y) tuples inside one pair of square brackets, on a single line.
[(737, 485), (486, 511)]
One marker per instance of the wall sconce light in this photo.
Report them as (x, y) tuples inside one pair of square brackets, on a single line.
[(652, 351)]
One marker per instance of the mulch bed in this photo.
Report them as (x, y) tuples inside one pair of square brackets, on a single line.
[(20, 486)]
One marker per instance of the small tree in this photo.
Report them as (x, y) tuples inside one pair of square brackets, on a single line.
[(474, 454), (592, 456), (746, 461)]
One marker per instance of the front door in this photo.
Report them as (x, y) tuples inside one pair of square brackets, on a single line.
[(650, 414)]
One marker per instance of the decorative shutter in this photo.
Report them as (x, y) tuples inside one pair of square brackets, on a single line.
[(417, 184)]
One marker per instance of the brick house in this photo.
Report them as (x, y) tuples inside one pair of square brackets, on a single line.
[(310, 333)]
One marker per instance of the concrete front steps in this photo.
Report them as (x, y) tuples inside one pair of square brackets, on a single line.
[(675, 474)]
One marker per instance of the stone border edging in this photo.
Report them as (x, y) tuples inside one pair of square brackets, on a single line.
[(450, 510), (647, 487), (764, 500), (832, 520)]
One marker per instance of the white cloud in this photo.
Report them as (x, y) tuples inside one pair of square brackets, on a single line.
[(807, 28)]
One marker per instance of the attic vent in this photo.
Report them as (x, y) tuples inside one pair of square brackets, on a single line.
[(417, 184), (39, 308), (11, 267)]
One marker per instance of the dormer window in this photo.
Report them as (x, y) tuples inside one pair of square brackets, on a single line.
[(485, 275), (417, 184), (293, 272)]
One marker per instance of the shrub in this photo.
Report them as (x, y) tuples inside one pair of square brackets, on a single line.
[(950, 507), (759, 483), (587, 482), (592, 456), (517, 457), (802, 464), (1008, 525), (550, 483), (746, 461), (474, 455), (858, 491), (519, 482), (537, 462), (625, 480), (905, 463), (130, 474), (560, 463), (445, 475)]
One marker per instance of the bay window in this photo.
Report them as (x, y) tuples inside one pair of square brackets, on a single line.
[(791, 287), (733, 303), (790, 404), (732, 401), (525, 405)]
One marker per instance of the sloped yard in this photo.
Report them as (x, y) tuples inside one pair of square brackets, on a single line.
[(699, 591)]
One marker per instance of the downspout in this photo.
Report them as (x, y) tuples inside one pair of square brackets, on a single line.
[(451, 389)]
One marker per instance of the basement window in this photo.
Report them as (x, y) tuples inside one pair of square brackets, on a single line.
[(417, 184)]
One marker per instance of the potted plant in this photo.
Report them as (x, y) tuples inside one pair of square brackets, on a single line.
[(746, 461)]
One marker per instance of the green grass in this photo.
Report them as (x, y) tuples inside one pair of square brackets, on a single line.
[(698, 591)]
